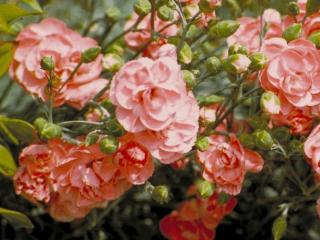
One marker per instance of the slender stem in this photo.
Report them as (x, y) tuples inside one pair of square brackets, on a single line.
[(71, 75), (51, 100), (79, 122), (90, 25), (153, 14)]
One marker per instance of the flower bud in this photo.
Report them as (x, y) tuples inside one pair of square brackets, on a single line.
[(263, 139), (109, 144), (207, 116), (223, 198), (47, 64), (213, 65), (209, 100), (296, 148), (185, 55), (112, 62), (113, 14), (293, 9), (237, 48), (39, 123), (113, 127), (223, 29), (258, 61), (165, 13), (202, 144), (107, 104), (207, 6), (190, 10), (50, 131), (142, 7), (189, 78), (237, 63), (90, 54), (91, 139), (293, 32), (247, 140), (270, 103), (161, 194), (205, 189), (115, 48), (315, 38)]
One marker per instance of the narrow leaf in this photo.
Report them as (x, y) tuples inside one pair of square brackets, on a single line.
[(7, 164), (16, 219), (34, 5), (6, 56)]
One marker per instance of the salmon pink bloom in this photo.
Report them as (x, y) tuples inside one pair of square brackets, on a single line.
[(312, 149), (51, 37)]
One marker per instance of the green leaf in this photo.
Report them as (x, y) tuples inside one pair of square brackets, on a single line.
[(34, 5), (6, 56), (17, 130), (11, 12), (16, 219), (211, 99), (313, 6), (4, 27), (7, 164), (279, 228)]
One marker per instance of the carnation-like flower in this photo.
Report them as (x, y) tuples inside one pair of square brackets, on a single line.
[(248, 34), (293, 72), (148, 93), (52, 38), (226, 162)]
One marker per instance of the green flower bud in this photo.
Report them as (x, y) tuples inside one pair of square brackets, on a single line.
[(90, 54), (91, 138), (202, 144), (312, 6), (270, 103), (113, 14), (116, 49), (213, 65), (223, 198), (209, 100), (263, 139), (247, 140), (109, 144), (207, 6), (237, 48), (169, 3), (107, 104), (185, 55), (50, 131), (293, 9), (258, 61), (190, 10), (112, 62), (142, 7), (113, 127), (47, 64), (315, 38), (39, 123), (223, 29), (160, 194), (258, 122), (205, 189), (165, 13), (296, 148), (237, 63), (293, 32), (189, 78)]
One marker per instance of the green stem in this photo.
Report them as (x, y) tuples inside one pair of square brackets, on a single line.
[(79, 122), (71, 75)]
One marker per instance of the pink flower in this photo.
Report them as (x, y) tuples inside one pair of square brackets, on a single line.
[(248, 33), (135, 162), (32, 178), (136, 40), (226, 163), (312, 149), (293, 72), (52, 37), (148, 93), (169, 144), (166, 50)]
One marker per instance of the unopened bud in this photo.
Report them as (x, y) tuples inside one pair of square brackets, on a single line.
[(237, 63), (113, 127), (91, 138), (115, 48), (161, 194), (209, 100), (39, 123), (90, 54), (185, 55), (205, 188), (237, 48), (213, 65), (202, 144), (112, 62), (223, 29), (207, 116), (270, 103), (50, 131), (263, 139), (293, 32), (258, 61), (113, 14), (190, 10), (293, 9), (165, 13), (109, 144), (142, 7), (315, 38), (207, 6), (47, 64), (189, 78), (247, 140)]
